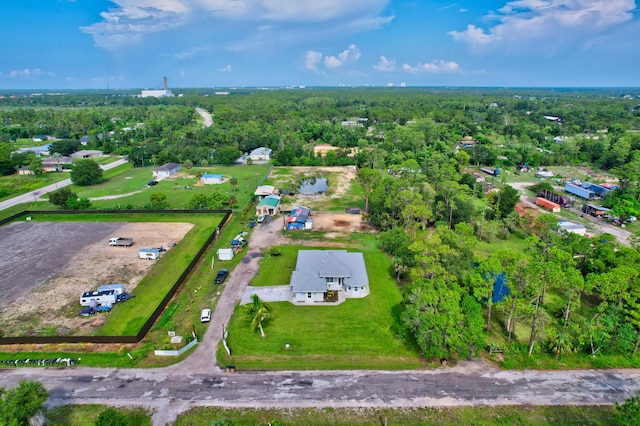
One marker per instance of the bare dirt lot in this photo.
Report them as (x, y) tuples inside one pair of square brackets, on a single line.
[(54, 262), (338, 222)]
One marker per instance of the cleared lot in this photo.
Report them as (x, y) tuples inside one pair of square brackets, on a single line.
[(49, 264)]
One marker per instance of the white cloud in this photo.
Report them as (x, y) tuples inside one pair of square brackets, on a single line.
[(183, 73), (30, 73), (525, 22), (332, 62), (312, 60), (385, 65), (345, 58), (129, 20), (226, 69), (435, 66)]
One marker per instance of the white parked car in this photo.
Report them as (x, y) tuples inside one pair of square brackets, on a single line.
[(205, 315), (261, 218)]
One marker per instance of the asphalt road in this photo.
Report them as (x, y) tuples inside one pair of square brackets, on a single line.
[(208, 121), (34, 195), (471, 383)]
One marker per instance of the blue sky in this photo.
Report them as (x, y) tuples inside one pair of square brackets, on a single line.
[(74, 44)]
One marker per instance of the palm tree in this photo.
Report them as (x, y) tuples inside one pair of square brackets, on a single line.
[(257, 312)]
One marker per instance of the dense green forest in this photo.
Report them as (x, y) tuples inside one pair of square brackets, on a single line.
[(569, 295)]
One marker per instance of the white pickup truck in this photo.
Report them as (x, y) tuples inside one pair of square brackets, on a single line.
[(121, 241)]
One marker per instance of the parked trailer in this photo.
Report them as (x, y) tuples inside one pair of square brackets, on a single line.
[(598, 189), (149, 253), (100, 297), (121, 241), (118, 288), (549, 205), (587, 194), (493, 172), (556, 198)]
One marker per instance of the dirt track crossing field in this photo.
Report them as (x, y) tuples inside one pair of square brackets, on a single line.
[(47, 265)]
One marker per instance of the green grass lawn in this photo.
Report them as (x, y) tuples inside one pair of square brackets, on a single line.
[(288, 179), (134, 181), (358, 334), (489, 416), (14, 185), (512, 243), (276, 270), (86, 415)]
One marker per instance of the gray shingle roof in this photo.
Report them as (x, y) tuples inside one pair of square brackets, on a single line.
[(314, 266)]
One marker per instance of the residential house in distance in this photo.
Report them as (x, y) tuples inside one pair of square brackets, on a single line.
[(37, 150), (166, 170), (87, 153), (211, 179), (55, 164), (328, 276), (264, 191), (261, 154), (269, 205), (84, 140), (41, 138)]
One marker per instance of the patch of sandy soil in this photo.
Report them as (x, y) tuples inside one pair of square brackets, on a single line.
[(55, 302), (322, 149), (339, 222)]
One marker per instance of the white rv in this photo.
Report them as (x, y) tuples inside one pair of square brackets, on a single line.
[(107, 297)]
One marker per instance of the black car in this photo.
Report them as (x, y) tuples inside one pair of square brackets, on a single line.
[(152, 182), (222, 276)]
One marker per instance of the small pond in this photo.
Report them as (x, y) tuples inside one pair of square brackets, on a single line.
[(313, 186)]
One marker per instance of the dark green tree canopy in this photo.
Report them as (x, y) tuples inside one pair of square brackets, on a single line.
[(19, 404), (86, 172)]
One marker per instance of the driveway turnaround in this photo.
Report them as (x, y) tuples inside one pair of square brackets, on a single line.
[(273, 293)]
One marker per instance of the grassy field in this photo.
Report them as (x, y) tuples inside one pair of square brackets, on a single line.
[(358, 334), (289, 179), (14, 185), (489, 416), (131, 187), (86, 415)]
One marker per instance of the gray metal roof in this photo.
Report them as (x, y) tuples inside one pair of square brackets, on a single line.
[(314, 266), (168, 166)]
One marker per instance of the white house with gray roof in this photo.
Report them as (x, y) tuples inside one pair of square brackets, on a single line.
[(319, 274), (261, 154)]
